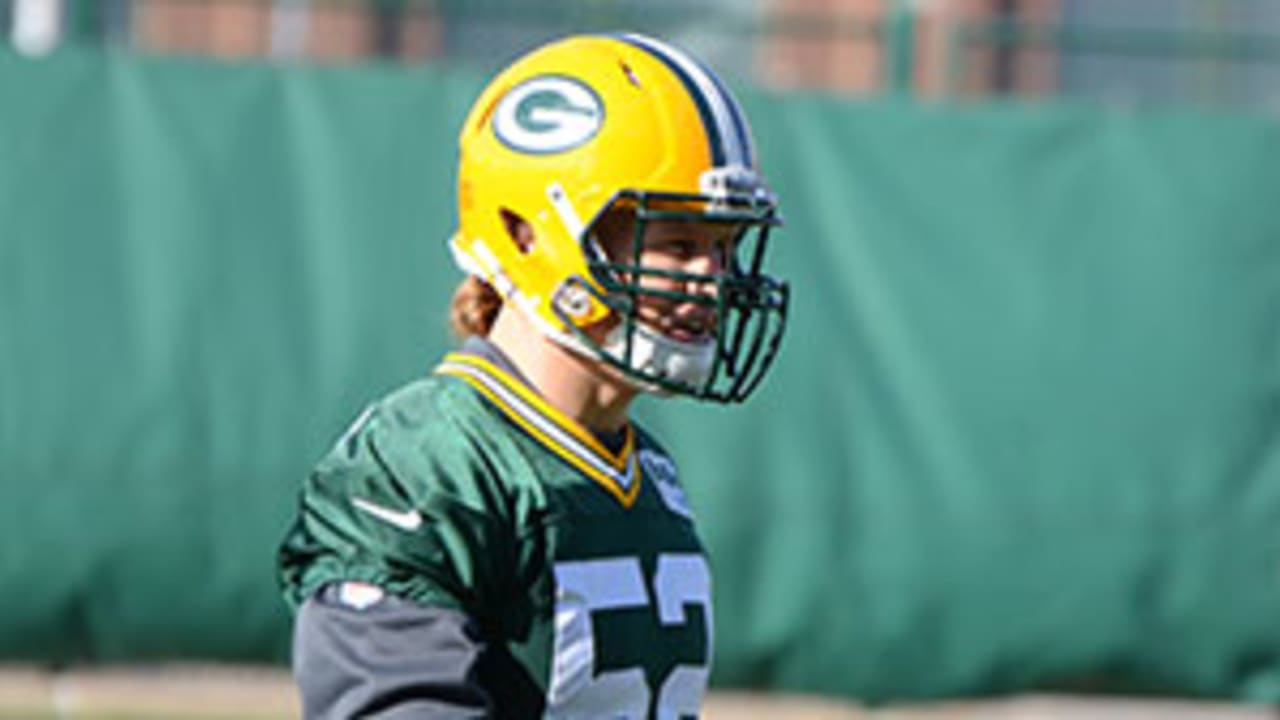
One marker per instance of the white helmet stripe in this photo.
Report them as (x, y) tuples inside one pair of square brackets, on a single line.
[(735, 144), (741, 127)]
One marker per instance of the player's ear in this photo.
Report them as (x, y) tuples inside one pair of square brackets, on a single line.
[(520, 232)]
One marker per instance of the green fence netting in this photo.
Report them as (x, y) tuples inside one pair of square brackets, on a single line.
[(1023, 433)]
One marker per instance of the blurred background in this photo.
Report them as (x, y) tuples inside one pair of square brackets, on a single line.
[(1119, 52), (1023, 439)]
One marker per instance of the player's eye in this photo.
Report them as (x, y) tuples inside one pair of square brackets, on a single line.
[(679, 248)]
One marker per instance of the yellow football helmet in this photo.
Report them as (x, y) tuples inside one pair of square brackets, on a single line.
[(590, 123)]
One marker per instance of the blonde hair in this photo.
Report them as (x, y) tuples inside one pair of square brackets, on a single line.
[(474, 307)]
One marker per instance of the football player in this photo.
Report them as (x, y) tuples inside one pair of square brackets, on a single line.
[(499, 539)]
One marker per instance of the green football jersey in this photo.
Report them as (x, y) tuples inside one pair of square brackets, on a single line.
[(466, 490)]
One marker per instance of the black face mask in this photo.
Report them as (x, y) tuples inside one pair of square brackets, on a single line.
[(750, 307)]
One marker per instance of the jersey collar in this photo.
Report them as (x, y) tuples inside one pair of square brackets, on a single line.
[(617, 473)]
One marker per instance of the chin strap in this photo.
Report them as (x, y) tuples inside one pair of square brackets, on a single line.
[(654, 355)]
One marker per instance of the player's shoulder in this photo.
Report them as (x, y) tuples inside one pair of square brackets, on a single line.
[(415, 441), (424, 405), (425, 415), (435, 404)]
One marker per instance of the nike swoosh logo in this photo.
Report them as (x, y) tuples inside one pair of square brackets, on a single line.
[(409, 520)]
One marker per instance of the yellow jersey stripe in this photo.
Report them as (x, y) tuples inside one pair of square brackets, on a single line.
[(535, 401), (617, 474)]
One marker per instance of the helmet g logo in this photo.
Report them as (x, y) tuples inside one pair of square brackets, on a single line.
[(547, 114)]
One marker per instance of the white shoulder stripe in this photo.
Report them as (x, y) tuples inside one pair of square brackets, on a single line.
[(723, 107)]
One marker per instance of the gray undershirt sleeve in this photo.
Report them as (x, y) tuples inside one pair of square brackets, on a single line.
[(393, 659)]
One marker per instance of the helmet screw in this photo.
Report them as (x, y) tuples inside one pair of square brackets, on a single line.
[(573, 299)]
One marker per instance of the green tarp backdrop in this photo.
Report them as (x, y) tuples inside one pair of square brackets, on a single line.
[(1024, 432)]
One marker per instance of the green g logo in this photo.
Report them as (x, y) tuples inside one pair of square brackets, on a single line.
[(547, 114)]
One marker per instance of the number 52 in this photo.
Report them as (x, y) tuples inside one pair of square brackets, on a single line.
[(588, 586)]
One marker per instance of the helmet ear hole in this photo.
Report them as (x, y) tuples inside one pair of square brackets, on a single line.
[(520, 231)]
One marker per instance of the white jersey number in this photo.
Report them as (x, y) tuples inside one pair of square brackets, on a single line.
[(587, 586)]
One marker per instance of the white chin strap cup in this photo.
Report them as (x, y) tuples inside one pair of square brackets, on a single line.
[(656, 355)]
